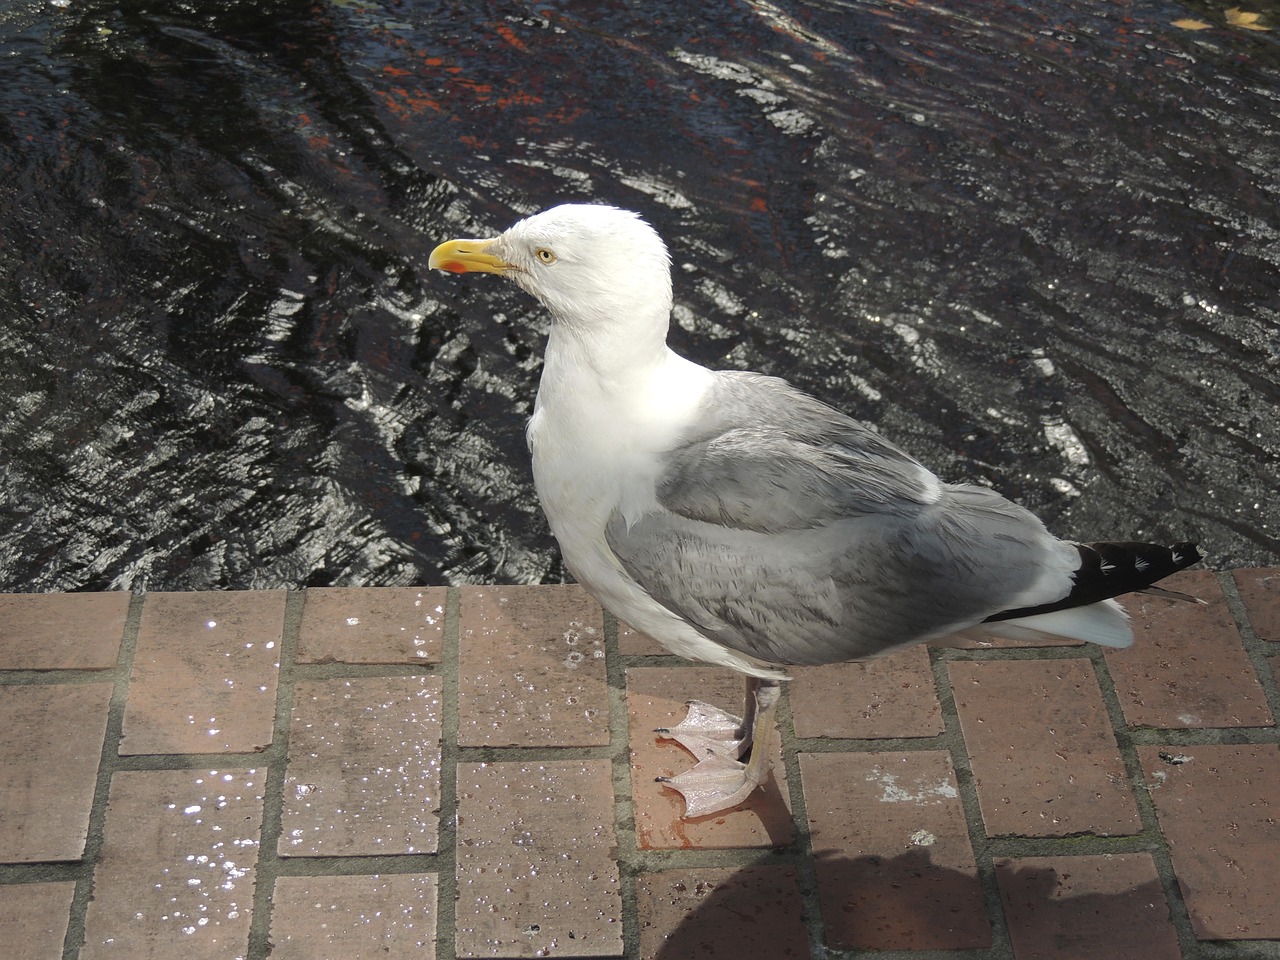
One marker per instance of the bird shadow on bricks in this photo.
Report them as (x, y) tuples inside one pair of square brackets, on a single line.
[(907, 902)]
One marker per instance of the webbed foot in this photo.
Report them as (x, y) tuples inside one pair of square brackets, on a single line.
[(708, 731)]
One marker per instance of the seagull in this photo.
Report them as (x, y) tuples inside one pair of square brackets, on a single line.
[(744, 523)]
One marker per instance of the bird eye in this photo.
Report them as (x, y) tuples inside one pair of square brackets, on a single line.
[(544, 255)]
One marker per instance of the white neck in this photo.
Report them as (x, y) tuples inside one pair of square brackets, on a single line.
[(609, 394), (614, 330)]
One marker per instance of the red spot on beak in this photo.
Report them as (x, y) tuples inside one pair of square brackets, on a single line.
[(454, 266)]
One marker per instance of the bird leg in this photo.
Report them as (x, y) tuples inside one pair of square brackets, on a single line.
[(720, 779)]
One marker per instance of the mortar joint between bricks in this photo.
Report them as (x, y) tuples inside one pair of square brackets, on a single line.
[(952, 740), (628, 857), (275, 758), (1260, 652), (109, 763), (447, 889), (802, 841)]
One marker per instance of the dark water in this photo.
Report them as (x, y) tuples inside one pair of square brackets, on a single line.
[(1037, 243)]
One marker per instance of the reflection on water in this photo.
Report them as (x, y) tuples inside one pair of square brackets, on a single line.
[(1036, 243)]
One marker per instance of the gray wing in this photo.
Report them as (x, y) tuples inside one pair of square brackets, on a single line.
[(792, 533), (767, 457)]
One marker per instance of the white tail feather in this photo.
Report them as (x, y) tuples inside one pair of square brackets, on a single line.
[(1104, 623)]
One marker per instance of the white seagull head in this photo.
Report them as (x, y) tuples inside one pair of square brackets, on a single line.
[(594, 267)]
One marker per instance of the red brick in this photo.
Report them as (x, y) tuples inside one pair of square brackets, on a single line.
[(1108, 907), (1041, 748), (1260, 590), (753, 913), (363, 773), (975, 641), (176, 875), (372, 625), (33, 919), (204, 673), (1217, 806), (535, 868), (532, 668), (633, 643), (889, 697), (61, 631), (354, 917), (1187, 666), (657, 697), (50, 746), (894, 864)]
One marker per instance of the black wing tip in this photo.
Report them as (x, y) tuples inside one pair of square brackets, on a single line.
[(1116, 567), (1111, 568), (1186, 554), (1136, 560)]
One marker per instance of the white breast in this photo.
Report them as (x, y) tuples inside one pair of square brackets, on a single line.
[(596, 439), (596, 444)]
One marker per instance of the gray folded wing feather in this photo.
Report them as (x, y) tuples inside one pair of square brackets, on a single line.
[(792, 533), (767, 457)]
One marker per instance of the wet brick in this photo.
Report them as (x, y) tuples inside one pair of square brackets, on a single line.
[(892, 855), (1108, 907), (372, 625), (50, 746), (61, 631), (1187, 666), (204, 673), (535, 870), (354, 917), (176, 875), (1218, 808), (531, 668), (711, 913), (1041, 748), (892, 696), (363, 775)]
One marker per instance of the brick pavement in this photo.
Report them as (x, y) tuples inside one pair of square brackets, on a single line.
[(468, 772)]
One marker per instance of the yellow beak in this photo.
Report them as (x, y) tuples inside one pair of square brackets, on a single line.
[(467, 256)]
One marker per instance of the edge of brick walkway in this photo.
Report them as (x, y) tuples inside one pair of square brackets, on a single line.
[(1148, 809)]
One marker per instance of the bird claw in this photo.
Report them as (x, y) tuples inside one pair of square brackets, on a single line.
[(708, 731), (716, 783)]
